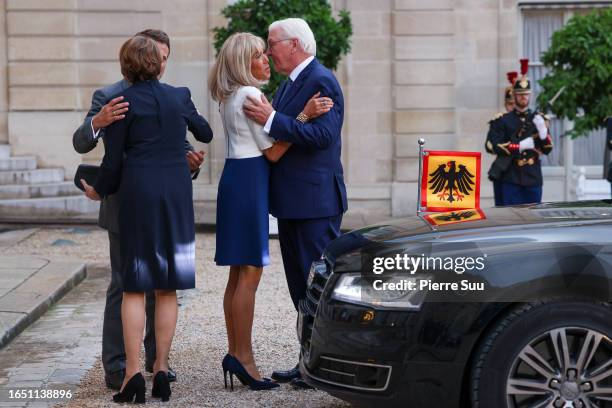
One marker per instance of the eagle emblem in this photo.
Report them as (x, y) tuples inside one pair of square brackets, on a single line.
[(455, 216), (449, 183)]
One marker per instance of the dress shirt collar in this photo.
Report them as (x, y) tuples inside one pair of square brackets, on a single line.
[(298, 70)]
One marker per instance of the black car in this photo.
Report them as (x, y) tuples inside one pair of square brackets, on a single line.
[(538, 335)]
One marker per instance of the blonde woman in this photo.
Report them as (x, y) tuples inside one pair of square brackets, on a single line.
[(242, 202)]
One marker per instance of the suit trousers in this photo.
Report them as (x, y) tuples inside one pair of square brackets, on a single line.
[(113, 349), (498, 193), (514, 194), (302, 241)]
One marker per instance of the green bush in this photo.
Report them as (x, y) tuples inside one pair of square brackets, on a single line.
[(580, 58), (255, 16)]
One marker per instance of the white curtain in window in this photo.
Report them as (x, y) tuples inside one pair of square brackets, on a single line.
[(538, 27)]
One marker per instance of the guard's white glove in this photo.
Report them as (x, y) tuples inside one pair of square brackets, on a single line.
[(540, 124), (526, 144)]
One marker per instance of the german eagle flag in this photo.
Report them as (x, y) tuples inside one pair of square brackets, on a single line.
[(454, 217), (451, 181)]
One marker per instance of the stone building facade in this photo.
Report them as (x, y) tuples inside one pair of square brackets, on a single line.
[(418, 68)]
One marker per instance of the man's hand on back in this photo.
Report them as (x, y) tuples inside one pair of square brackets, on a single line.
[(113, 111)]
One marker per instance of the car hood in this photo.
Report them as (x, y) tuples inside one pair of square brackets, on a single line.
[(470, 224)]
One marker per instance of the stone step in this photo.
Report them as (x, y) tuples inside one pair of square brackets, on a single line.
[(30, 286), (18, 163), (49, 208), (39, 176), (20, 191), (5, 151)]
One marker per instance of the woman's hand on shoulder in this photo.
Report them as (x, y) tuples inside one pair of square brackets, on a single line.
[(317, 106)]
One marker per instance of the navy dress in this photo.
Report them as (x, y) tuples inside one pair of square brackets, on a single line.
[(242, 199), (145, 158)]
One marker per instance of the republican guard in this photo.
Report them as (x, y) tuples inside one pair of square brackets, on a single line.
[(523, 136)]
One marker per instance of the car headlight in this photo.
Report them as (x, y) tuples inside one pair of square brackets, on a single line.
[(393, 290)]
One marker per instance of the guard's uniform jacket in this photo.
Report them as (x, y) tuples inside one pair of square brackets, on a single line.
[(505, 134), (488, 142)]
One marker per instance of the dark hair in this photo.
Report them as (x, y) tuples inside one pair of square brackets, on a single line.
[(140, 59), (156, 35)]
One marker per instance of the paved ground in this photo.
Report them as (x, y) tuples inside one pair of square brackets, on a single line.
[(29, 285), (62, 349)]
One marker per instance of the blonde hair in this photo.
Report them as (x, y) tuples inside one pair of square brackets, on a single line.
[(232, 69)]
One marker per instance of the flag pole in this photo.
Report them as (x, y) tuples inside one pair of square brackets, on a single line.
[(421, 154)]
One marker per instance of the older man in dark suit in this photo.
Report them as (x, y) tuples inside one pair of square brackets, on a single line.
[(102, 113), (307, 192)]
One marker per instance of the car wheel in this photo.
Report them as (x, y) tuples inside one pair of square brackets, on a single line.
[(546, 355)]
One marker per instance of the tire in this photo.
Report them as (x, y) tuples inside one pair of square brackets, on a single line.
[(532, 358)]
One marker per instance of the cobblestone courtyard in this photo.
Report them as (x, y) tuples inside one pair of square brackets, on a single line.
[(62, 349)]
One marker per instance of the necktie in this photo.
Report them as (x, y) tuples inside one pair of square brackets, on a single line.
[(285, 90)]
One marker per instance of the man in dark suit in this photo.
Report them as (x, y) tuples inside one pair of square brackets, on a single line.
[(307, 191), (102, 113)]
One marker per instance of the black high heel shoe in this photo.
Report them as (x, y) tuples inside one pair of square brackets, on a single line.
[(226, 370), (224, 363), (236, 368), (161, 386), (134, 390)]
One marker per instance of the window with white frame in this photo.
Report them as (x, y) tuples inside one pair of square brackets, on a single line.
[(540, 20)]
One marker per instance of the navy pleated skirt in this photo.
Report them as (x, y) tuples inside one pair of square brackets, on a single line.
[(242, 213)]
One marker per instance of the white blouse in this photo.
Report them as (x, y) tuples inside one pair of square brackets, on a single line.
[(244, 137)]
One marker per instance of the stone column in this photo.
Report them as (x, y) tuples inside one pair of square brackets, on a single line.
[(480, 77), (216, 155), (365, 76), (3, 76), (423, 88), (42, 81)]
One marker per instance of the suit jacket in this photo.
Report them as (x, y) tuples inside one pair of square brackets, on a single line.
[(85, 141), (308, 181), (158, 118)]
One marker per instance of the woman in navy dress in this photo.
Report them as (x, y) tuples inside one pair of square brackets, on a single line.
[(145, 158), (242, 201)]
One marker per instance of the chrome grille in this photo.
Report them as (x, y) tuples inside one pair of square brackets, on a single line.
[(352, 374)]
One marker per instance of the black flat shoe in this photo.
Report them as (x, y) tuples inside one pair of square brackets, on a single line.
[(287, 375), (299, 383), (134, 390), (161, 386)]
